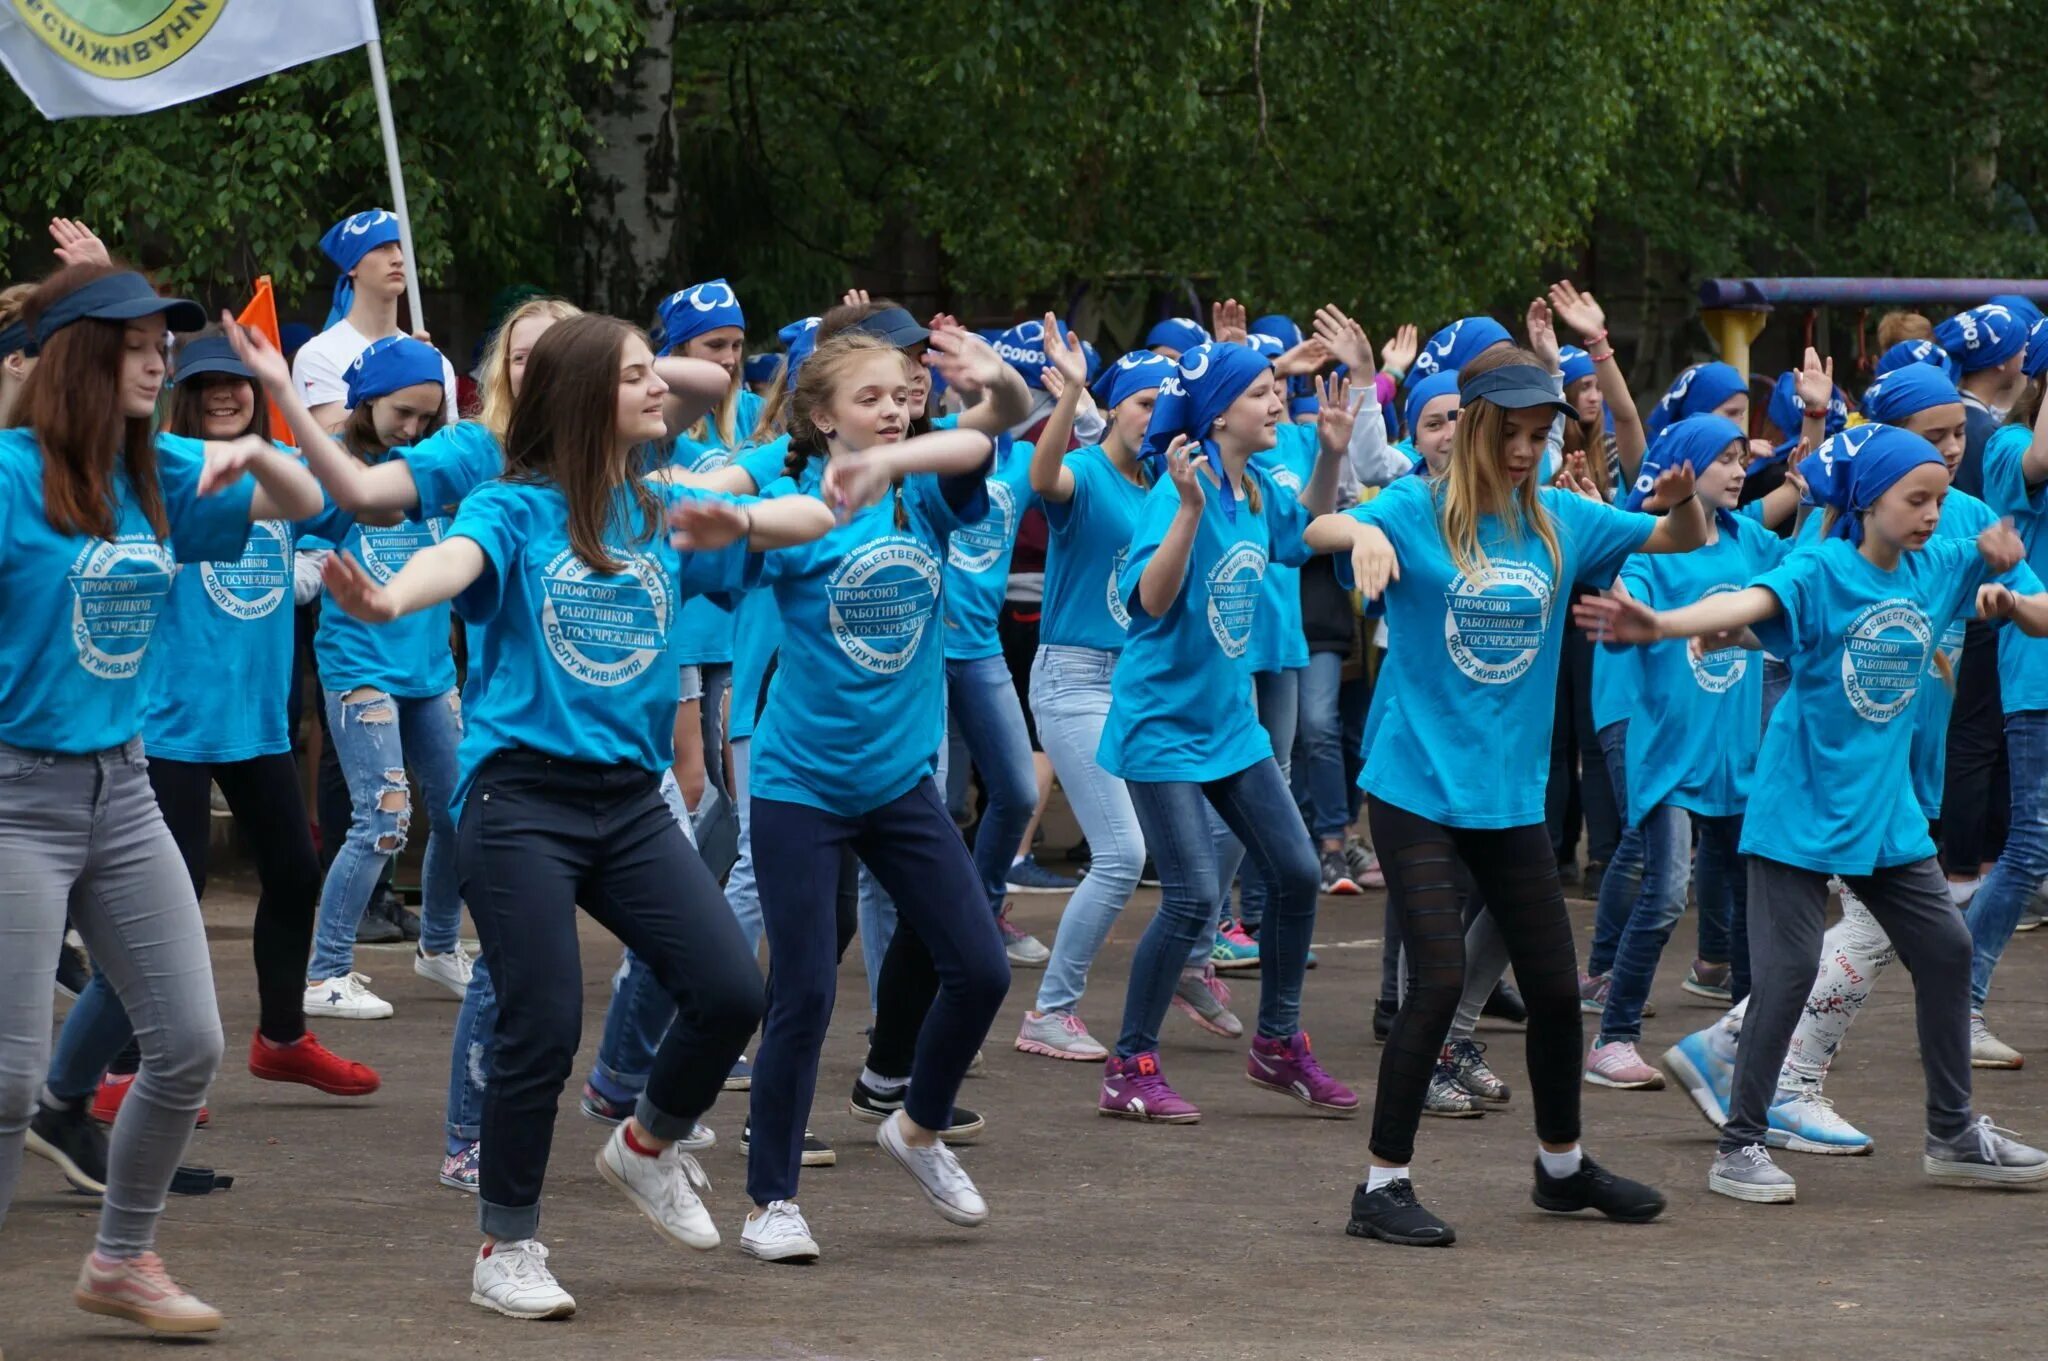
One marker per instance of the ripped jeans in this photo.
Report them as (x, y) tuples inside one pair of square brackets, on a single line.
[(377, 737)]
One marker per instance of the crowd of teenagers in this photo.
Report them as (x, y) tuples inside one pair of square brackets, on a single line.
[(742, 637)]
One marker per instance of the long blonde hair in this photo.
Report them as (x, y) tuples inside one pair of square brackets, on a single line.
[(496, 414), (725, 416), (1476, 484)]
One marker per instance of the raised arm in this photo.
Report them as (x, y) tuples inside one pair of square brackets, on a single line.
[(695, 388), (1584, 315), (1373, 459), (971, 365), (2034, 466), (1684, 526), (434, 575), (1065, 378), (1815, 383), (1166, 572), (1336, 416)]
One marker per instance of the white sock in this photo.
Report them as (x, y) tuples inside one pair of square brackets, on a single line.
[(1560, 1164), (1377, 1176), (1960, 891), (882, 1086)]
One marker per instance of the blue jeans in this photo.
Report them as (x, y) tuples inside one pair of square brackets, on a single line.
[(1070, 689), (1318, 774), (1720, 885), (1660, 901), (1255, 805), (94, 1032), (376, 738), (1623, 879), (982, 704), (469, 1060), (1278, 694), (2023, 864)]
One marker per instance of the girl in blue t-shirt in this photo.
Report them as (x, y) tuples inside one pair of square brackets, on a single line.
[(1858, 617), (95, 513), (572, 595), (1475, 566)]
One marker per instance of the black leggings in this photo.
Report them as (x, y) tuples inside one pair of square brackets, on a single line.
[(263, 794), (1976, 794), (1515, 872)]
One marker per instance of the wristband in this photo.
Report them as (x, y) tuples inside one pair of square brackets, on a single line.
[(748, 511), (1593, 340), (1814, 415), (1602, 357)]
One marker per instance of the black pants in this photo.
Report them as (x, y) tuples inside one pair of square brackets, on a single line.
[(1579, 788), (540, 836), (263, 794), (1515, 871), (1976, 796)]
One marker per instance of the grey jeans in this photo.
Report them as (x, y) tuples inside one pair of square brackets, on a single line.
[(85, 831), (1787, 906)]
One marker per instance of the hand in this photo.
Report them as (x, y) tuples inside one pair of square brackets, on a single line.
[(1307, 357), (1671, 488), (706, 524), (1397, 356), (1186, 473), (944, 321), (76, 243), (1345, 339), (1815, 381), (853, 482), (1543, 335), (2001, 546), (227, 460), (253, 348), (1995, 601), (1055, 385), (1373, 562), (854, 297), (1338, 414), (1574, 477), (1577, 310), (1608, 620), (1760, 451), (964, 360), (423, 337), (1063, 353), (1227, 321), (356, 591), (1792, 476), (1716, 641)]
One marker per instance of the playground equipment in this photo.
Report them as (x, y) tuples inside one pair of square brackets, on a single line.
[(1734, 310)]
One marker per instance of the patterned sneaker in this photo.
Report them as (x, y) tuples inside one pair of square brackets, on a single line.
[(141, 1291), (1749, 1174), (1469, 1071), (1619, 1065), (1447, 1099), (1206, 1001), (1337, 874), (1233, 950), (348, 997), (1987, 1050), (1028, 876), (1709, 981), (601, 1108), (1025, 950), (459, 1170), (1703, 1064), (1593, 993), (1289, 1067), (513, 1278), (311, 1064), (1059, 1035), (1984, 1152), (1364, 865), (1805, 1122), (1134, 1089)]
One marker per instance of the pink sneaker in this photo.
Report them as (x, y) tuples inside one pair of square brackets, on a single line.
[(1288, 1067), (1134, 1089), (1619, 1065), (141, 1291)]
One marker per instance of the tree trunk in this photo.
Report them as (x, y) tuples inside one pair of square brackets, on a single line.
[(628, 250)]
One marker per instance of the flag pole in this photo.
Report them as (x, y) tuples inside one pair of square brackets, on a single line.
[(390, 128)]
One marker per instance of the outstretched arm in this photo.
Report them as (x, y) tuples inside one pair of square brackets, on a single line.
[(434, 575), (1624, 619), (1373, 560)]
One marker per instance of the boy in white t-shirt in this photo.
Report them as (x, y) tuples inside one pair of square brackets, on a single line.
[(366, 249)]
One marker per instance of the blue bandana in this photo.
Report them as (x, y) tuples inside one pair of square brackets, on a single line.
[(1177, 333), (1856, 467), (1700, 388), (1192, 395), (1267, 347), (687, 314), (1421, 394), (1697, 440), (1983, 337), (760, 368), (1022, 347), (800, 338), (2026, 309), (13, 339), (390, 364), (1917, 352), (1787, 412), (1301, 388), (1092, 357), (1900, 393), (211, 354), (2037, 349), (346, 243), (1577, 364), (1139, 371), (1457, 345)]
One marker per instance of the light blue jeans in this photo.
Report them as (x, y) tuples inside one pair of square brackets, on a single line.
[(376, 738), (1318, 779), (1070, 690), (982, 707), (2023, 864), (469, 1059)]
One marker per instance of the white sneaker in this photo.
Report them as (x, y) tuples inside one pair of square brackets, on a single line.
[(1987, 1050), (451, 970), (348, 997), (938, 1174), (778, 1234), (515, 1281), (665, 1188)]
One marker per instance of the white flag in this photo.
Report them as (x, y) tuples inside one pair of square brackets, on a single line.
[(84, 57)]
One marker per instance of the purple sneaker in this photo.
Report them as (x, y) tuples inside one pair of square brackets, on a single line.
[(1134, 1089), (1286, 1066)]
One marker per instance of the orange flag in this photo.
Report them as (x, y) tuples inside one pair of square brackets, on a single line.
[(261, 315)]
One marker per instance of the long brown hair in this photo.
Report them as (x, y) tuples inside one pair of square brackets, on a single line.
[(72, 401), (359, 433), (1476, 481), (185, 414), (565, 430)]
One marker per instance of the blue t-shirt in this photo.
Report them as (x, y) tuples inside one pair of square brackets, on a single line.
[(1617, 671), (704, 635), (451, 463), (1090, 536), (1278, 641), (1463, 706), (1182, 706), (77, 612), (854, 712), (1695, 722), (1831, 790), (757, 623), (978, 559), (575, 663), (408, 657), (2022, 661)]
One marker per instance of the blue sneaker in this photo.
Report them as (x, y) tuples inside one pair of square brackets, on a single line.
[(1028, 876), (1805, 1122), (1233, 949), (1699, 1065)]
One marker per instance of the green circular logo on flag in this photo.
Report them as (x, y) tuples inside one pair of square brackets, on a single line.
[(120, 39)]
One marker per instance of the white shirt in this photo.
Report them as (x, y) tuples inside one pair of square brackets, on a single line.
[(321, 363)]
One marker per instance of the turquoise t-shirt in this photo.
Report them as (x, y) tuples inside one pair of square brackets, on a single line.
[(978, 559), (1833, 792), (2022, 661), (1278, 642), (77, 613), (1182, 706), (407, 658), (1617, 671), (451, 463), (1090, 538), (1463, 706), (704, 636), (757, 623)]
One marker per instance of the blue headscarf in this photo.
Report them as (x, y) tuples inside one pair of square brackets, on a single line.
[(1264, 345), (1917, 352), (2026, 309), (1900, 393), (1577, 363), (1022, 347), (1421, 394), (390, 364), (1457, 345), (1697, 440), (2037, 349), (1139, 371), (1856, 467), (1983, 337), (1301, 388), (760, 368), (1177, 333), (1200, 387), (1787, 411), (1700, 388), (690, 312), (346, 243), (799, 338), (1092, 358)]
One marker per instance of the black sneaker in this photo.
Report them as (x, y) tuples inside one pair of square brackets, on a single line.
[(817, 1153), (1506, 1005), (1593, 1187), (377, 926), (73, 973), (1148, 877), (1383, 1013), (70, 1139), (1393, 1215), (393, 906), (873, 1107)]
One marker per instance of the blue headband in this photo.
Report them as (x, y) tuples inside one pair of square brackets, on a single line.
[(1983, 337), (1022, 347), (1268, 347), (800, 338), (1577, 363), (1139, 371), (1093, 360), (1517, 387), (1697, 440), (692, 311), (1423, 393), (1902, 392), (1457, 345), (2026, 309), (208, 354), (760, 368), (1787, 411), (390, 364), (1192, 395), (2037, 349), (1916, 352), (13, 339), (1856, 467), (1700, 388), (1280, 328), (346, 243), (1177, 333), (115, 297)]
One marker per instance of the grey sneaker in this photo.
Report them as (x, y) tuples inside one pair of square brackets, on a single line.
[(1025, 950), (1206, 1002), (1749, 1174), (1987, 1050), (1984, 1152), (1059, 1035), (1469, 1070), (1446, 1098)]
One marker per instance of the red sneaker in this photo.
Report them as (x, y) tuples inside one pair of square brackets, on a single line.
[(113, 1090), (312, 1064)]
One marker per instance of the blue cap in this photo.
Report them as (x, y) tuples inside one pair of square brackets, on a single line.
[(115, 297), (1515, 386), (893, 324), (207, 354)]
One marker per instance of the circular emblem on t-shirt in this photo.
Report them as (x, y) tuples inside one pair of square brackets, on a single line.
[(1884, 650), (254, 585), (119, 39), (1234, 596), (1285, 479), (1116, 595), (880, 598), (975, 547), (385, 551), (1950, 648), (117, 589), (1720, 670), (604, 630), (1495, 621)]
